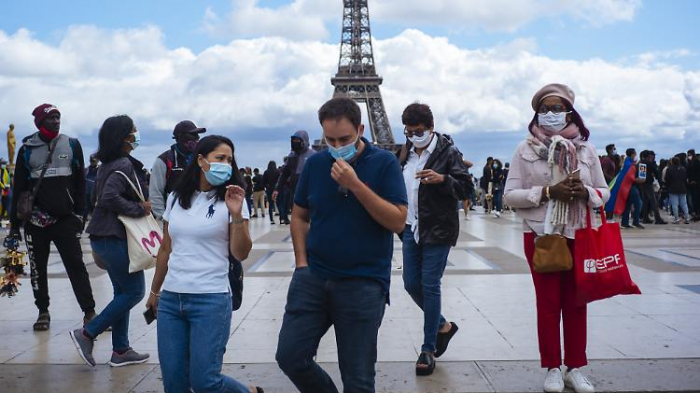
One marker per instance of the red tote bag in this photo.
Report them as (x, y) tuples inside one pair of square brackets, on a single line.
[(600, 267)]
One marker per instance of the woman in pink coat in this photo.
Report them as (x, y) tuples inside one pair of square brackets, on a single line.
[(555, 176)]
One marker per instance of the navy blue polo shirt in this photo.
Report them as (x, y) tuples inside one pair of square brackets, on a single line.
[(344, 241)]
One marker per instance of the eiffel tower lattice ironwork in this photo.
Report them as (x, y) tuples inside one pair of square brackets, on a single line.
[(357, 76)]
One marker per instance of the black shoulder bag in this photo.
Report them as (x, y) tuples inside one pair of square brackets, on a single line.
[(235, 279)]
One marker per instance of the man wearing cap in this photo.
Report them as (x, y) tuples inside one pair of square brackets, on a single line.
[(172, 163), (57, 212)]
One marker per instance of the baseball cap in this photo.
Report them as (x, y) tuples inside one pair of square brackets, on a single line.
[(187, 127)]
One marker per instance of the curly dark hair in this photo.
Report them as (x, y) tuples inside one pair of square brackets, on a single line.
[(416, 114)]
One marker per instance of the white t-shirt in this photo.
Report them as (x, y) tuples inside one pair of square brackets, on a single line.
[(200, 245)]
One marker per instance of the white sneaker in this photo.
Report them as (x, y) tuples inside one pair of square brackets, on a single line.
[(577, 381), (554, 382)]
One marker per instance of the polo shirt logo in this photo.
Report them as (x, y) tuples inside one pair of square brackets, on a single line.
[(210, 214)]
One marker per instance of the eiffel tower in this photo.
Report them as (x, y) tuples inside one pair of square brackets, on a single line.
[(357, 76)]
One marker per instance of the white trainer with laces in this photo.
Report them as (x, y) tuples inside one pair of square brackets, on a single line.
[(554, 382), (577, 381)]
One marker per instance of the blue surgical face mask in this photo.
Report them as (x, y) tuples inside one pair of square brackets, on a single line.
[(218, 173), (346, 152), (137, 140)]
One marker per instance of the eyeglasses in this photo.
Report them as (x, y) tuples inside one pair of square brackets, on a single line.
[(418, 133), (554, 109)]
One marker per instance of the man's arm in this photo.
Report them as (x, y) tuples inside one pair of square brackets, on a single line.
[(387, 214), (156, 188), (300, 230)]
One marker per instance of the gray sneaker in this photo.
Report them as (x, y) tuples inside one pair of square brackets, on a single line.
[(127, 358), (84, 345)]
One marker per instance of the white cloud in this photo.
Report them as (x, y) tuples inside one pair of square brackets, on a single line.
[(252, 88), (301, 19), (310, 19)]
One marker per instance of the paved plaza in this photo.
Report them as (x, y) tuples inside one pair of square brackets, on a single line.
[(635, 343)]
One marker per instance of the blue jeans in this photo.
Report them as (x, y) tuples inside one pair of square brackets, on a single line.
[(423, 266), (498, 200), (632, 199), (355, 307), (193, 330), (677, 200), (129, 289)]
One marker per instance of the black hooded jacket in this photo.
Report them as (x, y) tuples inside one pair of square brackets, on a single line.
[(438, 216)]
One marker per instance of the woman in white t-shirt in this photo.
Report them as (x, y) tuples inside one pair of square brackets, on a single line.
[(205, 219)]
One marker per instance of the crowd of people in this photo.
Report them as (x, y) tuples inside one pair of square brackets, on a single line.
[(346, 203)]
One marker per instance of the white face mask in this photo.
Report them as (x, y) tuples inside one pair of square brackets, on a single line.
[(421, 141), (551, 121)]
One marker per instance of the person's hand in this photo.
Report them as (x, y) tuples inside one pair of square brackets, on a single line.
[(560, 191), (429, 176), (146, 208), (235, 196), (344, 174), (578, 190), (152, 303), (274, 196)]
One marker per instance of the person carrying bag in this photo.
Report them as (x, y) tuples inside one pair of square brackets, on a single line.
[(554, 178), (109, 239)]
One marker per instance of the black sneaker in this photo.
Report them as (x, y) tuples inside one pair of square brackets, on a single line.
[(625, 226), (661, 222), (638, 226)]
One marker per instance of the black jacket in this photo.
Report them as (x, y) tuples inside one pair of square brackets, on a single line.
[(114, 196), (438, 216), (676, 179), (59, 196)]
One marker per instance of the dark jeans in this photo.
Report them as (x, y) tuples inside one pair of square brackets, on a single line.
[(632, 199), (355, 307), (649, 204), (498, 200), (423, 266), (270, 204), (129, 289), (65, 236), (283, 204)]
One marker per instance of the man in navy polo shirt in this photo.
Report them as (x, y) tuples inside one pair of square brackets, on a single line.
[(349, 201)]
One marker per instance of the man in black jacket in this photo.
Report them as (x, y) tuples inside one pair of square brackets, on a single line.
[(57, 212), (436, 180), (649, 203)]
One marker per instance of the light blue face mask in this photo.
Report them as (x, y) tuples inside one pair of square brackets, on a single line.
[(346, 152), (137, 140), (218, 173)]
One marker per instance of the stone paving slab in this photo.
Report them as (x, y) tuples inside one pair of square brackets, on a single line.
[(668, 375)]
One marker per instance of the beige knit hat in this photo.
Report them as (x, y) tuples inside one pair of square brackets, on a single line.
[(553, 89)]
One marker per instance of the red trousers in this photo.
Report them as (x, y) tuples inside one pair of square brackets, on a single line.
[(556, 298)]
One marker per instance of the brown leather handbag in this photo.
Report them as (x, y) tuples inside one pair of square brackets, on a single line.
[(552, 254), (25, 201)]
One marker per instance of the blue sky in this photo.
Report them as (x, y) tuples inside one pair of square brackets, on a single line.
[(610, 41), (659, 25)]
